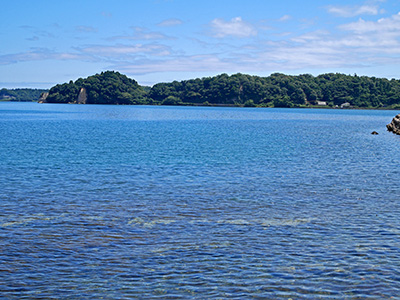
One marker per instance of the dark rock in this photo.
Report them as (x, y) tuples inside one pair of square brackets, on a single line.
[(394, 126), (374, 133)]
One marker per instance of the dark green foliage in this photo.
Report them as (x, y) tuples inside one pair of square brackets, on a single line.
[(278, 90), (104, 88), (171, 100), (27, 95), (282, 90), (249, 103)]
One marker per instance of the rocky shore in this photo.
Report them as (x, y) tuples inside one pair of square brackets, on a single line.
[(394, 126)]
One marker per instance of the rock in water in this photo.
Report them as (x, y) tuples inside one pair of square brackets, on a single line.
[(374, 133), (394, 126)]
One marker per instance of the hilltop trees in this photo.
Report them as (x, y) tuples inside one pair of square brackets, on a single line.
[(276, 90), (280, 90), (104, 88), (27, 95)]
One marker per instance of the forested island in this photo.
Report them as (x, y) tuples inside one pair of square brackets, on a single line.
[(276, 90), (26, 95)]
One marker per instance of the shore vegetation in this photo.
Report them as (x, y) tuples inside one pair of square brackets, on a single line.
[(332, 90)]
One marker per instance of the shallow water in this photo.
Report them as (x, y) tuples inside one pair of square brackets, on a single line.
[(118, 202)]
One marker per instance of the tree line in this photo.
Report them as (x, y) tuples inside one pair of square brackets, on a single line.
[(104, 88), (280, 90), (27, 95), (276, 90)]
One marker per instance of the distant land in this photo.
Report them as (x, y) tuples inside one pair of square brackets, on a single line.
[(26, 95), (277, 90)]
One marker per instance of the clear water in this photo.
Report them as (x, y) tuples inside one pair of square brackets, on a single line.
[(119, 202)]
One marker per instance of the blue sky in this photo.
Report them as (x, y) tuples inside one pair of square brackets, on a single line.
[(48, 42)]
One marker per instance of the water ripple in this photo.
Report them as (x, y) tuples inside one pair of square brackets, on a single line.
[(198, 203)]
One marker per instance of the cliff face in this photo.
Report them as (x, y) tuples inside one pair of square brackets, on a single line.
[(82, 97), (43, 97), (394, 126)]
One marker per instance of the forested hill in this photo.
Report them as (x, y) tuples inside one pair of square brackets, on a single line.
[(21, 94), (276, 90), (104, 88), (281, 90)]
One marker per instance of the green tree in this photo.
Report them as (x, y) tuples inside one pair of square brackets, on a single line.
[(171, 100)]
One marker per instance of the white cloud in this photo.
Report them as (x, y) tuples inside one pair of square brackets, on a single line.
[(110, 54), (141, 33), (191, 63), (40, 55), (377, 37), (382, 25), (360, 44), (120, 51), (235, 28), (285, 18), (170, 22), (356, 45), (352, 11)]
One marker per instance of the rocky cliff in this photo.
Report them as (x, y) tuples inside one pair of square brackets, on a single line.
[(43, 97), (82, 97), (394, 126)]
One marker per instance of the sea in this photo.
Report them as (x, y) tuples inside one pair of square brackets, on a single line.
[(164, 202)]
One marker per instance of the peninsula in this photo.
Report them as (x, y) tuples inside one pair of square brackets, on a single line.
[(276, 90)]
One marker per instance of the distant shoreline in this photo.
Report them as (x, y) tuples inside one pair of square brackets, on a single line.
[(331, 90), (218, 105), (326, 91)]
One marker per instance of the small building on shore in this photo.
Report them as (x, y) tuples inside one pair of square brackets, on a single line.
[(345, 105)]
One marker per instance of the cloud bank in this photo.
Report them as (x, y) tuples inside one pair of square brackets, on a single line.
[(353, 11), (233, 28), (233, 45)]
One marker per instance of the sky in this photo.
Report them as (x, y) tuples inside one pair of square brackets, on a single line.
[(46, 42)]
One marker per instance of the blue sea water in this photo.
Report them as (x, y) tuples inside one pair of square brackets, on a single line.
[(141, 202)]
